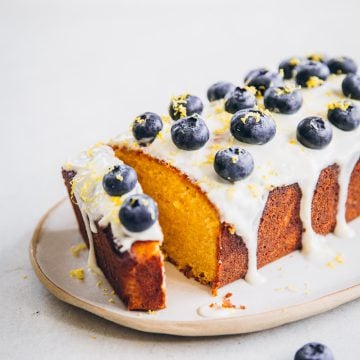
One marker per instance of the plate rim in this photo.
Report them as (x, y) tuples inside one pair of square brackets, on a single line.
[(202, 327)]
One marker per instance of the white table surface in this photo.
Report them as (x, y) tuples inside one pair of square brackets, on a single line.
[(72, 73)]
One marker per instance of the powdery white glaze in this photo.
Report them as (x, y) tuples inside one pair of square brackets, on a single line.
[(97, 206), (282, 161)]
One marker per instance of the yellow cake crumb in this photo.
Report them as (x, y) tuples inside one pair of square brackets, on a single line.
[(292, 141), (78, 273), (77, 249)]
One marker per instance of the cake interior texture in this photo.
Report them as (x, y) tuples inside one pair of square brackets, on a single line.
[(203, 247)]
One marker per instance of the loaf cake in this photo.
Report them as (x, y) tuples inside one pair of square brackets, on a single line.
[(261, 171)]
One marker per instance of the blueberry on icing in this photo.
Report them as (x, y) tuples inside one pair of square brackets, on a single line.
[(119, 180), (238, 99), (342, 65), (190, 133), (283, 100), (252, 126), (262, 79), (219, 90), (314, 133), (287, 66), (185, 105), (233, 164), (146, 127), (311, 74), (345, 115), (351, 86), (138, 213)]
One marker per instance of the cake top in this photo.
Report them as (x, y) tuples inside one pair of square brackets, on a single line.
[(276, 129)]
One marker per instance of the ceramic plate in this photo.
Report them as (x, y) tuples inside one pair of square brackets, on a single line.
[(295, 287)]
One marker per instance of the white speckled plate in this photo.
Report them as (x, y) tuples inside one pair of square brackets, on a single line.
[(296, 287)]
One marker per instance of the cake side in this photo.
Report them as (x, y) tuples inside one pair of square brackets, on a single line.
[(137, 275), (280, 229)]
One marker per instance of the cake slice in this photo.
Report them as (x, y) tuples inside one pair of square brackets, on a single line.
[(131, 260)]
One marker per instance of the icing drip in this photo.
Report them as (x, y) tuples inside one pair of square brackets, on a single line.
[(342, 229), (92, 263), (282, 161), (97, 206)]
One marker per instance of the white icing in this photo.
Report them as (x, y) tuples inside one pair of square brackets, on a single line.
[(282, 161), (97, 206)]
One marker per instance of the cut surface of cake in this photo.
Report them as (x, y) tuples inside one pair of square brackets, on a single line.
[(261, 171)]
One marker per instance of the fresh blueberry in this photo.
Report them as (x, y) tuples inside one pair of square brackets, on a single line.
[(288, 66), (311, 74), (317, 57), (252, 126), (262, 79), (314, 133), (185, 105), (190, 133), (344, 115), (233, 164), (255, 73), (314, 351), (239, 99), (219, 90), (138, 213), (342, 65), (146, 127), (119, 180), (351, 86), (283, 100)]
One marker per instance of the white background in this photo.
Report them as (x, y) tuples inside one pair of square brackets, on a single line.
[(72, 73)]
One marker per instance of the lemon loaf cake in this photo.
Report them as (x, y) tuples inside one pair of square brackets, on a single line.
[(262, 170)]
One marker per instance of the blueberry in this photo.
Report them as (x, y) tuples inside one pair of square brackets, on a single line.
[(120, 180), (219, 90), (283, 100), (344, 115), (288, 66), (252, 126), (351, 86), (185, 105), (262, 79), (190, 133), (233, 164), (314, 351), (342, 65), (146, 127), (311, 74), (255, 73), (138, 213), (313, 132), (239, 99)]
